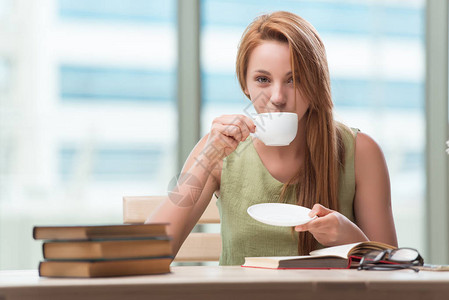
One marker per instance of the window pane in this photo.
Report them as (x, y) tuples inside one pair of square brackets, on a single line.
[(4, 75), (93, 84), (145, 11), (376, 57), (94, 116), (4, 8)]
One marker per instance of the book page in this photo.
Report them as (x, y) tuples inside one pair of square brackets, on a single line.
[(276, 258), (339, 251)]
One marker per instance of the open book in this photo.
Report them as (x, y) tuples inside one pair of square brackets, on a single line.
[(337, 257)]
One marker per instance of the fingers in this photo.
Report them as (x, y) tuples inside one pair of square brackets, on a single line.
[(313, 225), (319, 210), (231, 130), (243, 123), (225, 136), (306, 227), (239, 120), (319, 223)]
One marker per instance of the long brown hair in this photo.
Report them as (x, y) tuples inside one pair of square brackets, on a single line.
[(317, 180)]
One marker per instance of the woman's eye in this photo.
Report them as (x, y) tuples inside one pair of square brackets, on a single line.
[(290, 80), (262, 79)]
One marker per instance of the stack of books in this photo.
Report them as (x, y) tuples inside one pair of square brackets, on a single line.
[(99, 251)]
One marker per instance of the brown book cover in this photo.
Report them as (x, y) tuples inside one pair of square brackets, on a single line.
[(99, 231), (107, 249), (105, 268)]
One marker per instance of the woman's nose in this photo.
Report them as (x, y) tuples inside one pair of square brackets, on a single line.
[(277, 96)]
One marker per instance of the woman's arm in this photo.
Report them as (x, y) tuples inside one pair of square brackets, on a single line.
[(372, 203), (200, 177), (188, 199)]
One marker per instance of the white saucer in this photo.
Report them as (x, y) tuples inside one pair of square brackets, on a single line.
[(280, 214)]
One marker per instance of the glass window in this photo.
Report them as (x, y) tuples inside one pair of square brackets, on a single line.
[(4, 8), (95, 116), (4, 74), (96, 84), (5, 115), (376, 58), (145, 11)]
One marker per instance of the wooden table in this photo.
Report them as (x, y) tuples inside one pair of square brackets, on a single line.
[(211, 282)]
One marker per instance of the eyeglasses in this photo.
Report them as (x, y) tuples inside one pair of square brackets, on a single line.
[(391, 259)]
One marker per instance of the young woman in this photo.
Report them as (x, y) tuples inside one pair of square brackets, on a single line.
[(338, 172)]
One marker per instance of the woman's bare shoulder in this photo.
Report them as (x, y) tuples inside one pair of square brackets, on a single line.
[(369, 158), (364, 143), (366, 146)]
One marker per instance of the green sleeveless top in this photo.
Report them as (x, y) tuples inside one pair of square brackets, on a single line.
[(244, 182)]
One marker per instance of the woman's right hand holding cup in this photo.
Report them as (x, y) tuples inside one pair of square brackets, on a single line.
[(226, 133)]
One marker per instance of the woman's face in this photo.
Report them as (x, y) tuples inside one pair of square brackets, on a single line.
[(269, 80)]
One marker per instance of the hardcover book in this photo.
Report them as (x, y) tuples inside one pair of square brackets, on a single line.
[(107, 249), (141, 266), (337, 257), (99, 231)]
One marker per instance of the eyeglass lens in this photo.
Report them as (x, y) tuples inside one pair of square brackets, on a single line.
[(374, 256), (403, 255)]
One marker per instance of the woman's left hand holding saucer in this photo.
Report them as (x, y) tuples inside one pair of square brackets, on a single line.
[(331, 228)]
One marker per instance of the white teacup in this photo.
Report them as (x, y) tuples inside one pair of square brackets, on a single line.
[(276, 128)]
